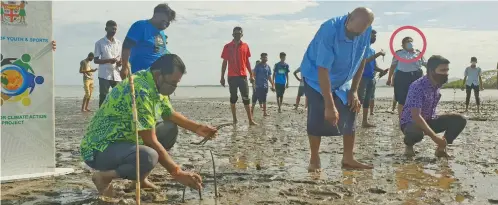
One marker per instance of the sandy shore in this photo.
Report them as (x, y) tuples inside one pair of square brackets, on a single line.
[(267, 164)]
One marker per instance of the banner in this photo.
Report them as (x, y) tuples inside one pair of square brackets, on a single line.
[(27, 98)]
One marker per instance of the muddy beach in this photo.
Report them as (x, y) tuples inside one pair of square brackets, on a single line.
[(266, 164)]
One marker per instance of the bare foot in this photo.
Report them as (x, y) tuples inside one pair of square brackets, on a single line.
[(353, 164), (88, 110), (371, 113), (409, 151), (251, 123), (266, 114), (367, 125), (315, 165), (102, 184), (235, 121), (82, 110), (145, 184), (279, 110)]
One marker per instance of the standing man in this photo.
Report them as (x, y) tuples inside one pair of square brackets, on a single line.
[(281, 79), (367, 83), (107, 56), (407, 72), (472, 81), (87, 72), (300, 91), (332, 68), (236, 55), (418, 117), (254, 97), (145, 42), (262, 75)]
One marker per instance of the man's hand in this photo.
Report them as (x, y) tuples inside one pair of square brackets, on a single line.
[(462, 88), (381, 53), (124, 71), (95, 69), (189, 179), (222, 81), (272, 88), (331, 114), (353, 101), (113, 60), (440, 141), (206, 131), (389, 82), (251, 79), (118, 63), (481, 88), (441, 152), (54, 45)]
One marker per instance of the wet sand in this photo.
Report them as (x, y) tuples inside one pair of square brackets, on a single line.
[(266, 164)]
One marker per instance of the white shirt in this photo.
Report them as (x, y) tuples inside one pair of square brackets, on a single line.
[(408, 67), (106, 49), (472, 75)]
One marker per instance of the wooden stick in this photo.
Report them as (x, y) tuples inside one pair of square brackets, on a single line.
[(214, 175), (135, 125)]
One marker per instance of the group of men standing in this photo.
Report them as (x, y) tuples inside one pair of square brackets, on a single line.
[(338, 76)]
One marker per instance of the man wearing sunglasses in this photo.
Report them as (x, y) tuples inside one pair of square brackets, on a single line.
[(109, 145)]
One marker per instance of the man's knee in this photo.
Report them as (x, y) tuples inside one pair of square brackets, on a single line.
[(233, 99), (167, 134), (148, 159), (413, 135)]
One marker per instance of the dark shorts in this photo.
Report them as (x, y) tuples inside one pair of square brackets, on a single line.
[(300, 91), (317, 126), (280, 89), (365, 91), (402, 82), (260, 95), (240, 83)]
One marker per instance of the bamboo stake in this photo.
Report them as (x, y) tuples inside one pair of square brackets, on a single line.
[(135, 125)]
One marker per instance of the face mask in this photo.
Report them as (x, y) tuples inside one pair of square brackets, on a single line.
[(165, 88), (441, 78), (409, 45), (473, 63)]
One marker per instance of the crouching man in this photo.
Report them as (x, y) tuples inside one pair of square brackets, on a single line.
[(419, 113), (109, 143)]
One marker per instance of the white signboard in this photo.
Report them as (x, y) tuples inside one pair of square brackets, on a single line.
[(27, 97)]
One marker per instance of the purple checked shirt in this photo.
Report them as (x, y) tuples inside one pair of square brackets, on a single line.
[(422, 94)]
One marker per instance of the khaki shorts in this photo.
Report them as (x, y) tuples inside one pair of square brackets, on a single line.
[(88, 86)]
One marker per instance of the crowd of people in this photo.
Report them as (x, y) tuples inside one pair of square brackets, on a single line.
[(338, 78)]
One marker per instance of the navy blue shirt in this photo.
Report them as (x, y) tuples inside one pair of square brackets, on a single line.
[(369, 71), (261, 74), (333, 50), (150, 44)]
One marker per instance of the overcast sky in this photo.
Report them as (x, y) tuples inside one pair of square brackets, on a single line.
[(456, 30)]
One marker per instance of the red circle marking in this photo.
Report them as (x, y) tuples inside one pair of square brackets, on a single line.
[(404, 60)]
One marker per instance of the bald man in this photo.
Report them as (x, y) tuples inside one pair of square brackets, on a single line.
[(332, 68)]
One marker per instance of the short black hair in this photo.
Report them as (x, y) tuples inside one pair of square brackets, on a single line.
[(110, 23), (264, 54), (406, 39), (436, 60), (374, 31), (282, 54), (164, 8), (473, 59), (237, 28), (168, 63), (90, 54)]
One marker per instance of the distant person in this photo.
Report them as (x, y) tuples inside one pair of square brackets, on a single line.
[(407, 72), (107, 56), (262, 75), (418, 117), (254, 97), (332, 68), (145, 41), (367, 83), (281, 79), (300, 91), (472, 81), (109, 144), (236, 55), (87, 72)]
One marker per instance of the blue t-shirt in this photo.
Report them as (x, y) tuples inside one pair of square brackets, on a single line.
[(369, 71), (150, 44), (281, 70), (333, 50), (261, 74)]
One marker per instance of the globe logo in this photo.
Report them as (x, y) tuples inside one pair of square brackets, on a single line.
[(18, 80)]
